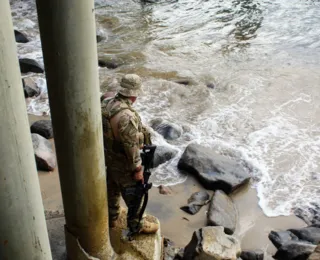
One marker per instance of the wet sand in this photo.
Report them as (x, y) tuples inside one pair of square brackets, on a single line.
[(252, 229), (253, 226)]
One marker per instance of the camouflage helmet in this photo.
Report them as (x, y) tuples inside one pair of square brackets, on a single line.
[(130, 85)]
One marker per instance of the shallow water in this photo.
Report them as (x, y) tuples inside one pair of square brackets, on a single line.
[(263, 58)]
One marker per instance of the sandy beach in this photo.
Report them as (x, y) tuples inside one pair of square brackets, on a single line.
[(252, 229), (253, 226)]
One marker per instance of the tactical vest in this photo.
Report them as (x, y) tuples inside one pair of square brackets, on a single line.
[(110, 110)]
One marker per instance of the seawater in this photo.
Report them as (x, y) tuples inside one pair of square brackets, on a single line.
[(263, 58)]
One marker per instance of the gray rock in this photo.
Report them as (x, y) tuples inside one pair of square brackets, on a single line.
[(163, 154), (31, 92), (172, 252), (20, 37), (282, 237), (110, 61), (179, 255), (252, 255), (167, 242), (185, 82), (43, 128), (213, 170), (108, 64), (211, 243), (149, 1), (222, 212), (196, 201), (309, 234), (30, 87), (210, 85), (29, 65), (45, 157), (100, 38), (168, 130), (310, 215), (294, 251)]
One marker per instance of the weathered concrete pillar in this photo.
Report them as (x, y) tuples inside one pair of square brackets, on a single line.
[(68, 37), (23, 231)]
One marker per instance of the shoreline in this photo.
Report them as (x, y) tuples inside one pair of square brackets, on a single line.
[(252, 229), (253, 225)]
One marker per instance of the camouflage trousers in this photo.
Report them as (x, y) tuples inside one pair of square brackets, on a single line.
[(120, 183)]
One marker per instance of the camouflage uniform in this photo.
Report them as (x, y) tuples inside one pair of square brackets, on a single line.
[(123, 138)]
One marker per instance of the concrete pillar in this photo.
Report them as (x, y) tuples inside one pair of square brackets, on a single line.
[(68, 37), (23, 231)]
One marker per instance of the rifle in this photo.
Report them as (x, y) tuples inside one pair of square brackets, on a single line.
[(141, 190)]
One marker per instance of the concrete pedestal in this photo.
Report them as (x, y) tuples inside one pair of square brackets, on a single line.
[(144, 247)]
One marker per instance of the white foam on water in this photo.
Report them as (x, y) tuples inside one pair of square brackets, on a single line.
[(275, 139), (292, 157), (280, 151)]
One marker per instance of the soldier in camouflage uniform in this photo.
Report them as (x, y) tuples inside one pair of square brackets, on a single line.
[(123, 139)]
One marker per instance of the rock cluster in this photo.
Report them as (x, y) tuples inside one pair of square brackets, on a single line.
[(295, 244)]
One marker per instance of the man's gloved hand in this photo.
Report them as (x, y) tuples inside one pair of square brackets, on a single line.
[(138, 174)]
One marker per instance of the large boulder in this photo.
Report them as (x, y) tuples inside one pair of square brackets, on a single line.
[(280, 238), (214, 171), (211, 243), (309, 234), (168, 130), (43, 128), (45, 156), (29, 65), (195, 202), (163, 154), (294, 251), (20, 37), (252, 255), (222, 212)]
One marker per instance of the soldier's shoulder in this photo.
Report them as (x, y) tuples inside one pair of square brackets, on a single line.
[(128, 112), (129, 119)]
